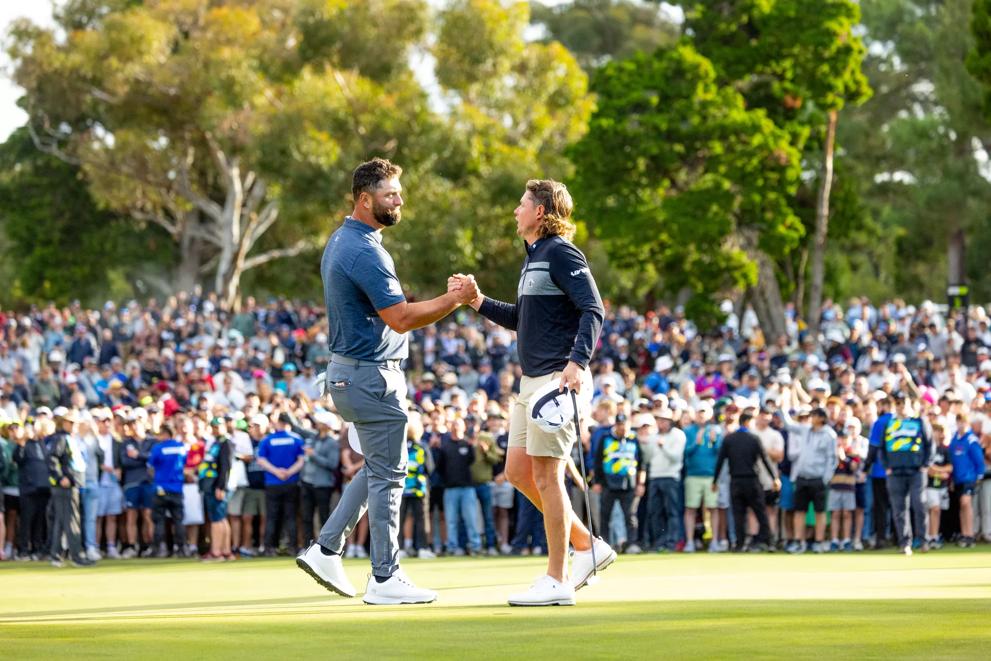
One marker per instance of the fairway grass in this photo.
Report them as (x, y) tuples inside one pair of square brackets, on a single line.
[(676, 606)]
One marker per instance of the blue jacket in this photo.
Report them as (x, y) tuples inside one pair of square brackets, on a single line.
[(281, 449), (876, 439), (168, 459), (967, 457), (700, 460)]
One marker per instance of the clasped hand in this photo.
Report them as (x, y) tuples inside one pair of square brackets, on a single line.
[(463, 287)]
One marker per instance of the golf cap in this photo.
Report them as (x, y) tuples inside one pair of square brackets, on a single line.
[(551, 408)]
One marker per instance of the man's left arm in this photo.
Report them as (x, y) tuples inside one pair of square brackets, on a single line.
[(570, 271)]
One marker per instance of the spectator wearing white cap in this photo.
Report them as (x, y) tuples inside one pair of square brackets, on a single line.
[(774, 446), (663, 448), (67, 471)]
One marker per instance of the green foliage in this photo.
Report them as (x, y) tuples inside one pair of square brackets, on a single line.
[(596, 31), (678, 174), (912, 148), (59, 245)]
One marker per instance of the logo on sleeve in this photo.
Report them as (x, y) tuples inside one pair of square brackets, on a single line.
[(577, 273), (395, 288)]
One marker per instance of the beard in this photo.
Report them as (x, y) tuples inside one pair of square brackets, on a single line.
[(387, 217)]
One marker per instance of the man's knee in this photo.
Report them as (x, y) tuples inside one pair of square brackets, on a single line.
[(519, 473), (546, 474)]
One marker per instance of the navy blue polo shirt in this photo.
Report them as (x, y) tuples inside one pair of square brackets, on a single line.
[(359, 279), (281, 449)]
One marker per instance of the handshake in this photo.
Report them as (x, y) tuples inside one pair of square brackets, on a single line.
[(465, 290)]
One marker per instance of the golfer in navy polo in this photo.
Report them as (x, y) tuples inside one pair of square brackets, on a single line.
[(369, 318)]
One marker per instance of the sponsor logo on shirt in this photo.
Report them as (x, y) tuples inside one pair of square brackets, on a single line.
[(174, 450), (579, 272), (282, 441)]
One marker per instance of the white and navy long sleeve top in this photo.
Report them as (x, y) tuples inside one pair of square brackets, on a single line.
[(558, 311)]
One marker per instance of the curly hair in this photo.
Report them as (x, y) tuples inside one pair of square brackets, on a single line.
[(557, 203), (370, 174)]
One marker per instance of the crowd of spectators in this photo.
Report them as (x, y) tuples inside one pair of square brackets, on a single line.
[(176, 428)]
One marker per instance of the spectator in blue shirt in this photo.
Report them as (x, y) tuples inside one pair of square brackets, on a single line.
[(168, 461), (967, 457), (282, 455), (703, 441)]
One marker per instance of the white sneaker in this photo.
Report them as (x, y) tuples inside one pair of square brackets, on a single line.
[(402, 555), (633, 549), (92, 553), (360, 552), (426, 554), (505, 549), (581, 562), (112, 552), (129, 552), (907, 549), (492, 551), (545, 591), (858, 545), (689, 547), (327, 570), (397, 590)]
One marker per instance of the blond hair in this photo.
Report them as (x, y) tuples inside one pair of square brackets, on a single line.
[(557, 203)]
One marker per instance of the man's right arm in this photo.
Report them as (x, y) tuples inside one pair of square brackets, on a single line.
[(375, 275), (405, 316)]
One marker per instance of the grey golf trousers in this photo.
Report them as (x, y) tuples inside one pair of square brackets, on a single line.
[(905, 492), (373, 397)]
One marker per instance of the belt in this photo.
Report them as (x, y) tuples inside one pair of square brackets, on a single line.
[(354, 362)]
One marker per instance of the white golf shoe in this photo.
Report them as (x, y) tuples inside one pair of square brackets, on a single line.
[(545, 591), (327, 570), (397, 590), (581, 562)]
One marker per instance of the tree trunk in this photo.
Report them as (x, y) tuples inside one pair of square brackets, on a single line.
[(187, 273), (821, 231), (800, 281), (765, 296), (955, 258)]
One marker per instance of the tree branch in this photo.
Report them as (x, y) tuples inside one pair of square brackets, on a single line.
[(205, 204), (158, 219), (279, 253), (260, 224)]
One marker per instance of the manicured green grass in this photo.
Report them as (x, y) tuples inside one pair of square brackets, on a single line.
[(676, 606)]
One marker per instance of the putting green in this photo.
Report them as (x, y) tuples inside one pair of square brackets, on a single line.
[(850, 605)]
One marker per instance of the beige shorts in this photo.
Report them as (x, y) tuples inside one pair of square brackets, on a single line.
[(525, 434)]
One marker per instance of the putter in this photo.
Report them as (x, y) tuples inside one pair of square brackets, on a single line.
[(594, 578)]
